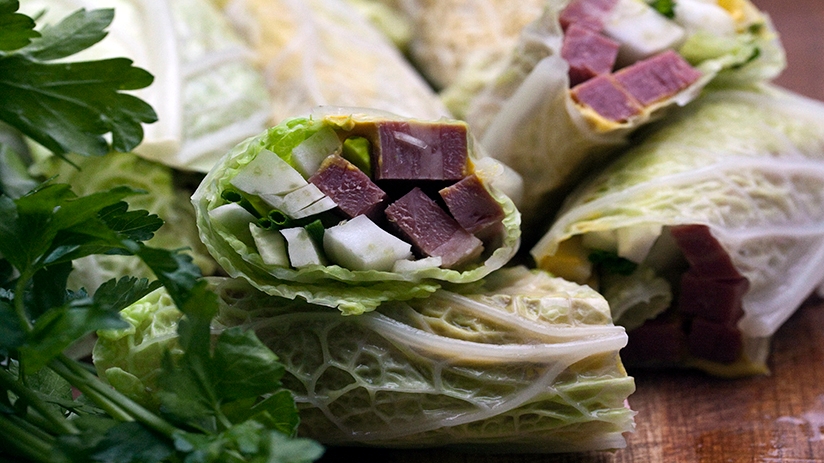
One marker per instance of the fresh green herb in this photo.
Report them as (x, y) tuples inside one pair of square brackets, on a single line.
[(612, 263), (221, 401), (68, 107), (665, 7)]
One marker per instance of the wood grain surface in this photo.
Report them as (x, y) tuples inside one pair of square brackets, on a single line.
[(687, 416)]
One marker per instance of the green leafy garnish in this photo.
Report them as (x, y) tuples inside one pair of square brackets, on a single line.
[(221, 401), (665, 7), (68, 106), (610, 262)]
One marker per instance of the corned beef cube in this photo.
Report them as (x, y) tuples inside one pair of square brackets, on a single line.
[(657, 77), (657, 341), (587, 13), (420, 151), (714, 341), (431, 231), (351, 189), (588, 53), (471, 205), (703, 252), (604, 95), (715, 300)]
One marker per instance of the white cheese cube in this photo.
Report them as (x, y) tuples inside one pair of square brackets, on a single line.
[(359, 244), (267, 173), (301, 248), (234, 219), (308, 155), (271, 246), (641, 31)]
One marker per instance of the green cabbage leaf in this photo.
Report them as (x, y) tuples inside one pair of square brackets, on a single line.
[(523, 362)]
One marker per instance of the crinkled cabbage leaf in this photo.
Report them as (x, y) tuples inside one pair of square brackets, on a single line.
[(324, 52), (748, 164), (524, 363), (457, 41)]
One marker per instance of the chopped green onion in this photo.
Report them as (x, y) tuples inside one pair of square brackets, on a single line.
[(316, 231), (665, 7), (612, 263)]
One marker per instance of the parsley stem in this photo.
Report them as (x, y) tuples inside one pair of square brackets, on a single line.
[(86, 387), (123, 407), (35, 447), (61, 424), (20, 303)]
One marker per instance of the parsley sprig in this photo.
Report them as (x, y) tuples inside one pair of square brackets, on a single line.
[(69, 107), (221, 400)]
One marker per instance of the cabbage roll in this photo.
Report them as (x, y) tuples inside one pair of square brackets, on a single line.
[(707, 234), (207, 92), (523, 363), (324, 52), (349, 207), (586, 73), (454, 40)]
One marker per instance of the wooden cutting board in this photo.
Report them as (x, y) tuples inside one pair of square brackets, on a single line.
[(690, 417)]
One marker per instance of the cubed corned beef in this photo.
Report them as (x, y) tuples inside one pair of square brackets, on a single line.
[(715, 300), (472, 206), (658, 77), (431, 231), (703, 252), (587, 13), (717, 342), (606, 97), (588, 53), (351, 189), (661, 340), (420, 151), (711, 291)]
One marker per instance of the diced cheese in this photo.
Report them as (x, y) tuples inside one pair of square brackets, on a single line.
[(324, 204), (301, 248), (271, 246), (267, 173), (294, 200), (234, 219), (700, 15), (641, 30), (359, 244), (635, 242), (308, 155), (305, 201)]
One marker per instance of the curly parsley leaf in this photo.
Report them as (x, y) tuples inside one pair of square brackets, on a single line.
[(69, 106)]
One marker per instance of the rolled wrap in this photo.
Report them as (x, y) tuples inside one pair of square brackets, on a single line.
[(396, 227), (552, 114), (708, 233)]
